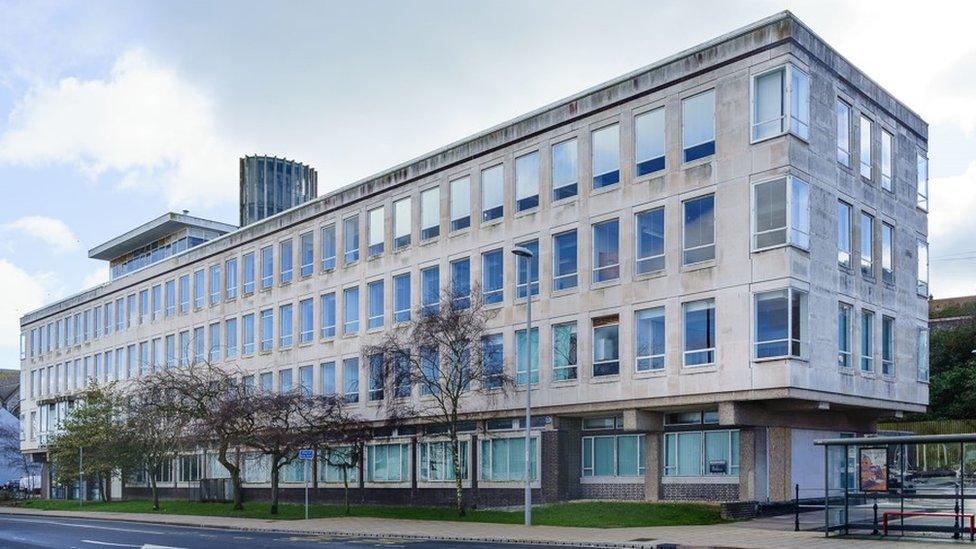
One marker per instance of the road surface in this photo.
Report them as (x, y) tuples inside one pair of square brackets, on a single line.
[(31, 532)]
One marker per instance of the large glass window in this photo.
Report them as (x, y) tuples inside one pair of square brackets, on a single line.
[(867, 244), (922, 181), (503, 459), (606, 156), (887, 346), (526, 357), (247, 334), (437, 461), (401, 223), (887, 160), (430, 289), (564, 169), (248, 286), (781, 102), (843, 114), (327, 375), (306, 254), (866, 157), (401, 297), (328, 247), (922, 282), (286, 327), (215, 289), (698, 126), (231, 279), (649, 339), (336, 466), (350, 307), (699, 332), (376, 378), (701, 453), (306, 321), (267, 267), (527, 269), (198, 293), (650, 241), (887, 253), (286, 257), (844, 329), (613, 456), (230, 337), (377, 231), (867, 340), (844, 236), (328, 313), (922, 355), (699, 229), (460, 203), (606, 346), (350, 239), (350, 380), (606, 251), (527, 182), (649, 142), (492, 276), (781, 324), (461, 283), (374, 291), (492, 193), (388, 463), (564, 260), (493, 358), (781, 213), (430, 213), (565, 343), (267, 329)]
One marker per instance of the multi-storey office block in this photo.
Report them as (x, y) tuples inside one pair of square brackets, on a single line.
[(732, 263)]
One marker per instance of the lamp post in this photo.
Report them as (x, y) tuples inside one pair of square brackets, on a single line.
[(526, 255)]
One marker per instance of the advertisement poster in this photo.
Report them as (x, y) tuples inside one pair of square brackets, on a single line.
[(873, 469)]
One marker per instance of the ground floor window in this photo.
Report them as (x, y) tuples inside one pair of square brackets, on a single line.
[(503, 459), (333, 461), (189, 468), (388, 463), (165, 472), (701, 453), (215, 469), (437, 463), (294, 470), (613, 456), (256, 467)]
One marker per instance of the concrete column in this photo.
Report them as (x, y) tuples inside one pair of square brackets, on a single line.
[(653, 466), (780, 464), (747, 464)]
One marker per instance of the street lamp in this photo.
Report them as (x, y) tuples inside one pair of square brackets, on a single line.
[(526, 255)]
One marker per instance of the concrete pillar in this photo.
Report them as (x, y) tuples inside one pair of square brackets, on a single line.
[(780, 464), (653, 466), (747, 464)]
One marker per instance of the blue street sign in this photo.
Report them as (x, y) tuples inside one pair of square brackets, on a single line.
[(306, 454)]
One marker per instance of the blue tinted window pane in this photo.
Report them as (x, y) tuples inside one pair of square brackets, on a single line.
[(493, 352), (650, 241), (528, 270), (461, 283), (328, 247), (699, 229), (350, 305), (401, 298), (699, 333), (376, 307), (430, 288), (606, 156), (564, 261), (493, 276), (606, 256), (328, 315)]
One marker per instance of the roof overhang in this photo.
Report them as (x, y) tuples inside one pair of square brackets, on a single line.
[(152, 231)]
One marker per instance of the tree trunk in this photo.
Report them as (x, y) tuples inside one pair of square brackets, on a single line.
[(235, 476), (345, 488), (155, 493), (458, 480), (274, 485)]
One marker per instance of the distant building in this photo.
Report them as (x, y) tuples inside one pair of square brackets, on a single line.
[(945, 314), (10, 391), (272, 185)]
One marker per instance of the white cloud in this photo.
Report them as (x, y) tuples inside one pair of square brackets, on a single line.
[(20, 292), (143, 122), (52, 231), (951, 228), (96, 277)]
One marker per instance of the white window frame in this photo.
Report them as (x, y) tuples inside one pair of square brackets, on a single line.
[(788, 116), (861, 128), (887, 160), (641, 464), (650, 358), (791, 338), (850, 133), (796, 236), (888, 339), (867, 329), (922, 252), (684, 226), (684, 328), (921, 181), (662, 256), (845, 357)]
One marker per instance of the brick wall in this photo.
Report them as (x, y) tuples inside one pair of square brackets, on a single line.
[(703, 492), (613, 491)]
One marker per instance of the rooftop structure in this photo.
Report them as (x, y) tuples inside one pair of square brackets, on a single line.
[(271, 185)]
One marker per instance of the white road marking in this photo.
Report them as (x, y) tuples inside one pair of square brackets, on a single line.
[(91, 526), (96, 542)]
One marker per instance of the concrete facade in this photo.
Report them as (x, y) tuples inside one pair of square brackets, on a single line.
[(762, 401)]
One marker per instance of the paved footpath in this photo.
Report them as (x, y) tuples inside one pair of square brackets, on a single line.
[(759, 534)]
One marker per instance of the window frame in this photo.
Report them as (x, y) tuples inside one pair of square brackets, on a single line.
[(430, 232), (888, 329), (787, 117), (572, 367), (638, 259), (866, 341), (684, 231), (845, 356), (607, 179), (652, 360), (641, 457), (567, 194), (712, 351), (689, 154), (801, 341), (794, 235), (596, 270)]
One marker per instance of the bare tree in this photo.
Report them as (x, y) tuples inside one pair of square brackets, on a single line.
[(446, 351), (11, 456), (342, 441), (156, 426)]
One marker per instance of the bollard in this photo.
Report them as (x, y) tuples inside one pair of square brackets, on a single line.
[(955, 528), (875, 507), (796, 509)]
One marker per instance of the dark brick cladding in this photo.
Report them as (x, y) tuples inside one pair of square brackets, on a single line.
[(705, 492)]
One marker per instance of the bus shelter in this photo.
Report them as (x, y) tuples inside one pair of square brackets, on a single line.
[(898, 485)]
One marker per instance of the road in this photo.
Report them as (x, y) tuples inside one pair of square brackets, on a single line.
[(30, 532)]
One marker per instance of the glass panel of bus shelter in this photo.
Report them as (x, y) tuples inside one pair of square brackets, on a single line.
[(836, 482), (931, 479)]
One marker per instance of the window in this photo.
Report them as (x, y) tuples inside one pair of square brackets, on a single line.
[(650, 241), (184, 353), (781, 213), (248, 287), (377, 231), (388, 463), (844, 236), (199, 348), (285, 384), (401, 223), (843, 113), (565, 344), (336, 465), (564, 170), (437, 461), (247, 334), (564, 259), (606, 156), (306, 321), (781, 103), (230, 337), (613, 456), (867, 244), (430, 213), (198, 289), (214, 354), (781, 324), (157, 306), (492, 276), (401, 297), (328, 315), (922, 281), (460, 203), (215, 280), (887, 161), (374, 295), (699, 333), (887, 346), (606, 348), (493, 357), (492, 193), (701, 453), (430, 370), (887, 253), (649, 339), (267, 267), (865, 147), (327, 373), (922, 355), (698, 126), (430, 289), (375, 380), (267, 382), (649, 142), (867, 341), (143, 315), (350, 239), (267, 329), (844, 335), (286, 328), (170, 355), (699, 228), (350, 307), (527, 182), (527, 270), (231, 278), (503, 459), (306, 254), (461, 283), (350, 380), (526, 357), (922, 181), (606, 256), (286, 257), (329, 247)]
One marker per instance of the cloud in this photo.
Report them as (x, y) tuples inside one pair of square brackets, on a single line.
[(52, 231), (144, 123), (951, 226), (96, 277), (20, 292)]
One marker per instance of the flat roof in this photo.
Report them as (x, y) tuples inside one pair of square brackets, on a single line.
[(897, 439), (152, 231)]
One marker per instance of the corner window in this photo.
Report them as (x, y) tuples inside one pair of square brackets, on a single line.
[(699, 329), (843, 115), (867, 341), (649, 134), (606, 346), (844, 236), (649, 339), (922, 180), (844, 335), (699, 229), (922, 282), (565, 342), (401, 223), (650, 241), (866, 156), (492, 193), (781, 324), (781, 103), (887, 346), (887, 161), (606, 156), (781, 213), (430, 213), (564, 170), (564, 258), (698, 126), (606, 251), (527, 182), (867, 244), (377, 230), (460, 203)]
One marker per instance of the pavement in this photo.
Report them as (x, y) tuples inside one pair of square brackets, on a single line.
[(768, 533)]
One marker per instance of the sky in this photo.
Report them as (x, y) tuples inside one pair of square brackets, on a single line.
[(112, 113)]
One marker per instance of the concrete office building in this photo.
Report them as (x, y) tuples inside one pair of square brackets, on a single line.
[(733, 263), (272, 185)]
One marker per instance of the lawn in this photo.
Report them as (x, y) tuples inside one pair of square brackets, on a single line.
[(589, 514)]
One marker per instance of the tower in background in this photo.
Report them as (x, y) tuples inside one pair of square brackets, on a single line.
[(270, 185)]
